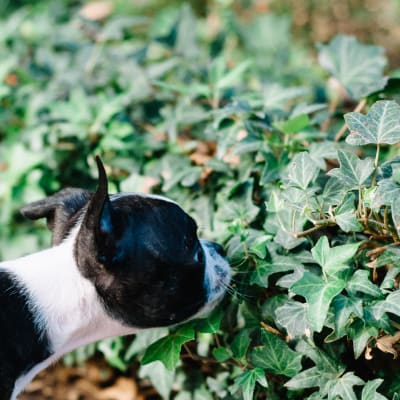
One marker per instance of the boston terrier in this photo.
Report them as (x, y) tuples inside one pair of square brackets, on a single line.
[(119, 263)]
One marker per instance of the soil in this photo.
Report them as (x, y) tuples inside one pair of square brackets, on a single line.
[(92, 381)]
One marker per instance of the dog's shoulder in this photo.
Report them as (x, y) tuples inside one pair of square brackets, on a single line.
[(22, 344)]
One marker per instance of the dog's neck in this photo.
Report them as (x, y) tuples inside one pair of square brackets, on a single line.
[(65, 305)]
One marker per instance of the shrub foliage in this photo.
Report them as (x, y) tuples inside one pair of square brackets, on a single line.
[(285, 155)]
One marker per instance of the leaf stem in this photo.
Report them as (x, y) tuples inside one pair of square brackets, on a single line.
[(342, 130), (376, 162)]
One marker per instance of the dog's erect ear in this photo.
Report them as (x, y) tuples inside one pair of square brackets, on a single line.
[(95, 242), (60, 210)]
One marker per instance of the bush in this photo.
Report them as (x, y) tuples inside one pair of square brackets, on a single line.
[(245, 129)]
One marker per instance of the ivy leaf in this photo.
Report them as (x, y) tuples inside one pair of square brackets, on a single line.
[(221, 354), (258, 247), (353, 172), (168, 349), (360, 282), (322, 360), (380, 126), (246, 382), (369, 390), (160, 377), (240, 344), (345, 215), (210, 324), (275, 356), (293, 125), (294, 326), (302, 170), (361, 337), (390, 304), (343, 386), (344, 307), (309, 378), (264, 269), (319, 295), (385, 193), (358, 67), (396, 213), (333, 260)]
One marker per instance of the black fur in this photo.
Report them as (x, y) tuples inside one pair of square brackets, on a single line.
[(22, 344), (61, 210)]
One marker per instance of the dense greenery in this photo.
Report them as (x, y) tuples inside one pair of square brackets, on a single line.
[(247, 130)]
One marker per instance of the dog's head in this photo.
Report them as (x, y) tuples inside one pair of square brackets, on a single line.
[(141, 253)]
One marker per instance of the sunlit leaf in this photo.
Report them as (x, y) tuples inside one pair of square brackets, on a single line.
[(358, 67), (380, 126), (353, 172)]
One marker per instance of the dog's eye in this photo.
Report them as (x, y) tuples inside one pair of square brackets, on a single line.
[(199, 257)]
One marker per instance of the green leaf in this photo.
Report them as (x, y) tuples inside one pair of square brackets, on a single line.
[(322, 360), (358, 67), (221, 354), (390, 304), (168, 349), (264, 270), (302, 170), (293, 317), (396, 213), (240, 344), (305, 379), (275, 356), (246, 382), (160, 377), (360, 282), (333, 260), (380, 126), (353, 172), (343, 386), (293, 125), (211, 323), (345, 215), (112, 351), (361, 337), (386, 192), (240, 205), (234, 75), (369, 391), (344, 307), (319, 295), (259, 246)]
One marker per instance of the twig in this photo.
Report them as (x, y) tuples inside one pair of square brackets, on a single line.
[(358, 108), (379, 250), (312, 230), (270, 329)]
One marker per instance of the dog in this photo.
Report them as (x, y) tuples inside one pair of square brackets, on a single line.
[(119, 263)]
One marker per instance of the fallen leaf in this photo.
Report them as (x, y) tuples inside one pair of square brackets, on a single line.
[(96, 10)]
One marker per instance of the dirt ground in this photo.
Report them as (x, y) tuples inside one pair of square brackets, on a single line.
[(92, 381)]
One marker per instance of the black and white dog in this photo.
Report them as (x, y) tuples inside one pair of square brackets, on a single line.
[(119, 263)]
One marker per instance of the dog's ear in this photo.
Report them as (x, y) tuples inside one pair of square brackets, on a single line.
[(60, 210), (95, 242)]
